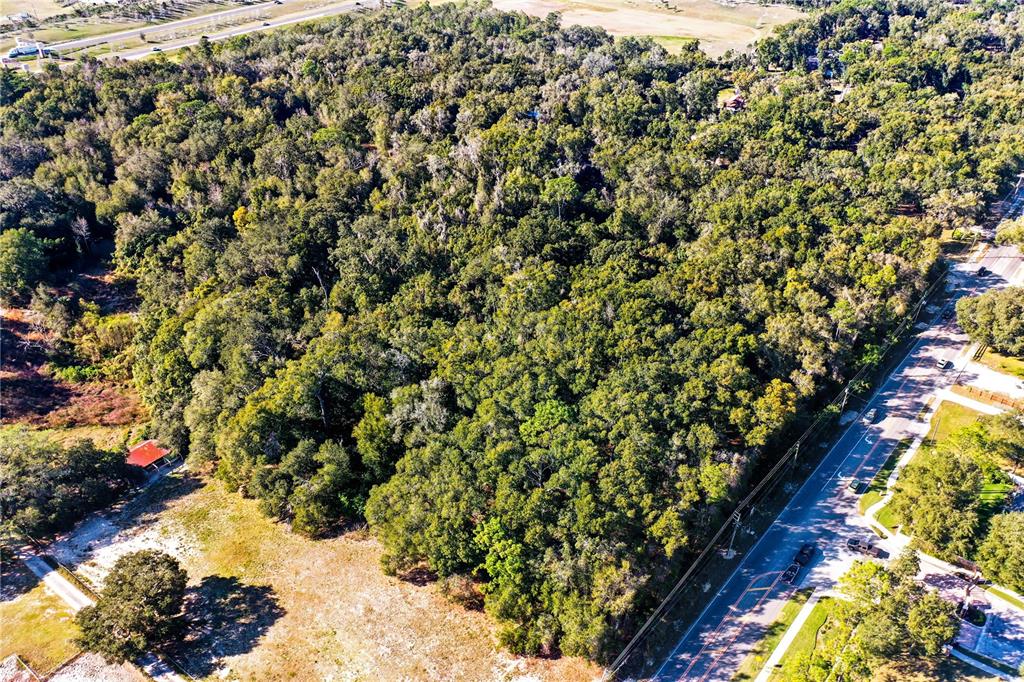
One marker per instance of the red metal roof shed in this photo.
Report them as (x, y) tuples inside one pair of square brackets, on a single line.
[(145, 453)]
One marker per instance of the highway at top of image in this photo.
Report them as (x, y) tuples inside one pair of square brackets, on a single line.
[(267, 25), (167, 26), (824, 510)]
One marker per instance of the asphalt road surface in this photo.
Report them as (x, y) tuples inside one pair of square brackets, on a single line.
[(308, 15), (160, 28), (824, 510)]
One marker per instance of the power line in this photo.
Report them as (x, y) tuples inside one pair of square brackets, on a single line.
[(826, 414)]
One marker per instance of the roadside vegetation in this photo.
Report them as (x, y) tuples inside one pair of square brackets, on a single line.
[(1003, 363), (528, 300), (887, 617), (995, 319), (951, 497), (755, 660), (877, 487)]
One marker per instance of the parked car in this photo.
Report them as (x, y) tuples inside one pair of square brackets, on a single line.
[(870, 416), (942, 363), (983, 271), (790, 574), (973, 578), (857, 485), (806, 553), (858, 545)]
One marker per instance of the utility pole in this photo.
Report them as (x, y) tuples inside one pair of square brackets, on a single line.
[(730, 553)]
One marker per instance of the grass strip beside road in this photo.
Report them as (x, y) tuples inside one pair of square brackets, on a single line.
[(1003, 363), (876, 489), (806, 638), (949, 417), (887, 519), (1005, 596), (757, 657), (998, 665)]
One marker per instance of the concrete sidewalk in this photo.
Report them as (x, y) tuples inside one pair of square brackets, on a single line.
[(787, 638)]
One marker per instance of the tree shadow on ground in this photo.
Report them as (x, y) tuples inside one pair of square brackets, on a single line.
[(226, 618), (15, 578)]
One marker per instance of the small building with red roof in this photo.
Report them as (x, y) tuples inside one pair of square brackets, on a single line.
[(147, 453)]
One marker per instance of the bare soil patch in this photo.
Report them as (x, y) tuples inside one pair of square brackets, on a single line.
[(719, 27), (272, 605)]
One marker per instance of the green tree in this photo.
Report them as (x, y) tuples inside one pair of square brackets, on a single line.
[(140, 606), (1001, 553), (23, 263), (1011, 232), (47, 487), (936, 502), (995, 318)]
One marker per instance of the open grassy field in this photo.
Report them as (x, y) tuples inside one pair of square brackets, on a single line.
[(72, 31), (1002, 363), (755, 660), (41, 9), (278, 606), (718, 27), (948, 418), (106, 437), (38, 627)]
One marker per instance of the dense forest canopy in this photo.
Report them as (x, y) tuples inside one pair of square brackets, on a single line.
[(527, 298)]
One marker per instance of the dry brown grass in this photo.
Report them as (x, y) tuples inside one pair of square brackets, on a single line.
[(33, 396), (718, 27), (320, 609)]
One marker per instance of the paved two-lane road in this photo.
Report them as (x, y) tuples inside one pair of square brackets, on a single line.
[(824, 510)]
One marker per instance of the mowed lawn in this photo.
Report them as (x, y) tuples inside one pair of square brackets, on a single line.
[(948, 418), (1002, 363), (37, 626), (809, 638), (279, 606)]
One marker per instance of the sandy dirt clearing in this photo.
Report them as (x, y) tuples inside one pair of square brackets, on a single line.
[(718, 27), (272, 605)]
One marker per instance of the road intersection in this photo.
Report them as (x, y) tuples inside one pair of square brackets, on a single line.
[(824, 510)]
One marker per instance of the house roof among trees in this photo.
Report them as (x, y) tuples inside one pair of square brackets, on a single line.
[(145, 453)]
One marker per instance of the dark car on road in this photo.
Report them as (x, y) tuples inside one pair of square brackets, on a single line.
[(804, 556), (790, 574), (858, 545)]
